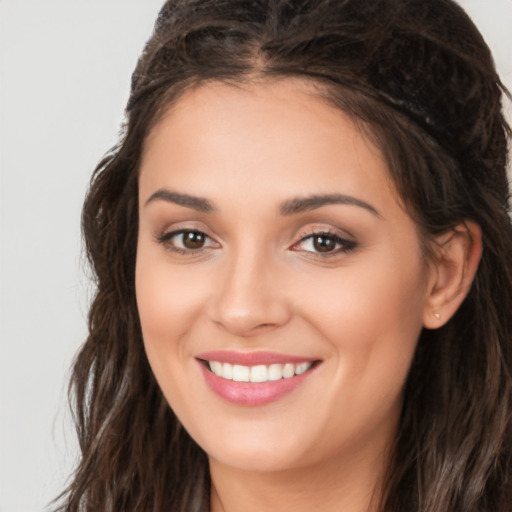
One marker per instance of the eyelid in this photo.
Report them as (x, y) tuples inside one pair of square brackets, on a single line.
[(182, 226)]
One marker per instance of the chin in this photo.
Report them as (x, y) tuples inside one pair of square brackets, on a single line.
[(255, 460), (254, 451)]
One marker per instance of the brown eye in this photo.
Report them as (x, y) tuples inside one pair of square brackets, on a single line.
[(187, 241), (324, 243), (193, 239)]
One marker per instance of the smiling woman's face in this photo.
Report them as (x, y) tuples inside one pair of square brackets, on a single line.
[(272, 248)]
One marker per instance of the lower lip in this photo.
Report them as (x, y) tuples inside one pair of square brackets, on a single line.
[(252, 393)]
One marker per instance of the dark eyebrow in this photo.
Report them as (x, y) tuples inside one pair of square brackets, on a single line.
[(196, 203), (303, 204)]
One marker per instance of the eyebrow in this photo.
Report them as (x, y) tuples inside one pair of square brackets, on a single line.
[(304, 204), (196, 203), (289, 207)]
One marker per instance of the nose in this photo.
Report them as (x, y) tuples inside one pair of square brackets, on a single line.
[(250, 298)]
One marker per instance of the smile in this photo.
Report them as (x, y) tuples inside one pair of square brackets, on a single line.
[(254, 379), (258, 373)]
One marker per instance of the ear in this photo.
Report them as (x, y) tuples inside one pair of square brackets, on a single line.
[(458, 253)]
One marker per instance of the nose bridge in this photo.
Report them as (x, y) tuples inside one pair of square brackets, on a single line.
[(249, 298)]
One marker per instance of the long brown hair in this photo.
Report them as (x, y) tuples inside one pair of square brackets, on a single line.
[(419, 78)]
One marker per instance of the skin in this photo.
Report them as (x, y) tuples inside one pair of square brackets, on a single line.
[(259, 284)]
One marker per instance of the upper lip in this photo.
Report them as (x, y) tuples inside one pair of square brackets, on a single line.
[(252, 358)]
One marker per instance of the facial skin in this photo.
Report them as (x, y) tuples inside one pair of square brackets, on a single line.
[(259, 283)]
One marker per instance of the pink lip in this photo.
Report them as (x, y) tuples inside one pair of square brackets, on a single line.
[(251, 358), (252, 393)]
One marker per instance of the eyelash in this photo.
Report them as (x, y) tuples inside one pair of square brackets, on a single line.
[(166, 240), (342, 245)]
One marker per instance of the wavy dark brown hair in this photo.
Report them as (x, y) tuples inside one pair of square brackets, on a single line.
[(420, 81)]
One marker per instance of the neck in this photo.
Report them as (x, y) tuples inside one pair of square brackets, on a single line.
[(354, 486)]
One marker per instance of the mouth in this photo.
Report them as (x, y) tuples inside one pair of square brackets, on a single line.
[(254, 379), (258, 373)]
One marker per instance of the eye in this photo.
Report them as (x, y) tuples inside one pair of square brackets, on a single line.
[(187, 240), (324, 243)]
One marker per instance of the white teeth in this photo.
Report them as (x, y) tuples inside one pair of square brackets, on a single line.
[(241, 373), (301, 368), (258, 373), (227, 371), (288, 370), (275, 372), (216, 368)]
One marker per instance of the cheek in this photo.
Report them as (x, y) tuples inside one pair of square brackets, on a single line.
[(171, 301), (168, 301), (167, 309), (367, 303), (164, 317), (372, 317)]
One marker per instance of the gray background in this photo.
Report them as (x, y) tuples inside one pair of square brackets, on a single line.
[(65, 67)]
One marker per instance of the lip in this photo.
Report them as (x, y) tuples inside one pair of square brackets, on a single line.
[(252, 393)]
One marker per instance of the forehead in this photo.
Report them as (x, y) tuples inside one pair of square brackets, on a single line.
[(261, 137), (273, 104)]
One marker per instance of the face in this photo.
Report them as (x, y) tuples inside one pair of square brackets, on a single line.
[(280, 284)]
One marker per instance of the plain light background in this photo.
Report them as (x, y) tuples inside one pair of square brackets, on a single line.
[(65, 69)]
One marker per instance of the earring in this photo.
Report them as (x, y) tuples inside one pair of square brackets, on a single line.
[(437, 315)]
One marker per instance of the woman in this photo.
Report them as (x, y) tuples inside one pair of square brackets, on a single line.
[(302, 249)]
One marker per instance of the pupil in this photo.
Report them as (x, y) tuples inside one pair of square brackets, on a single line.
[(193, 240), (324, 244)]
